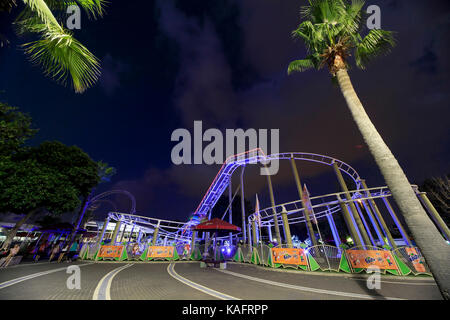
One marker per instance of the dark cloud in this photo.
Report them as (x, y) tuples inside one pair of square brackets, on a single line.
[(112, 71)]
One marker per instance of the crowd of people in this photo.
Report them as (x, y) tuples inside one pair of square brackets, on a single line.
[(59, 250)]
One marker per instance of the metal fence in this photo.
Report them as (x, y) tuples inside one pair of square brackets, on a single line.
[(264, 254), (91, 250), (327, 257), (412, 257), (247, 252)]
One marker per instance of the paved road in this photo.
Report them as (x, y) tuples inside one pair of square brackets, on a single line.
[(187, 281)]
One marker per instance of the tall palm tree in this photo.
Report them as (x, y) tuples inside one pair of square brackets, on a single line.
[(60, 55), (331, 31)]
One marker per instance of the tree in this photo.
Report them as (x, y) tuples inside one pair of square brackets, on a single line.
[(15, 129), (331, 31), (51, 176), (55, 49), (26, 187), (104, 173)]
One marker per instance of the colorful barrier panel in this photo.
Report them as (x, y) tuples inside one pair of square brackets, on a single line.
[(117, 253), (416, 260), (364, 259), (160, 253), (410, 260), (290, 257)]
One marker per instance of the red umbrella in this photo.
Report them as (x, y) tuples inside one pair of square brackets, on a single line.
[(216, 225)]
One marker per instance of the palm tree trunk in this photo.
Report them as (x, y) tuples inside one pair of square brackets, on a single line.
[(12, 233), (431, 243)]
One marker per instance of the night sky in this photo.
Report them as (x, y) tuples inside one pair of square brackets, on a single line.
[(167, 63)]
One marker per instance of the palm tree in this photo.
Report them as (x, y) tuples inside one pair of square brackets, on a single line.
[(58, 53), (331, 31)]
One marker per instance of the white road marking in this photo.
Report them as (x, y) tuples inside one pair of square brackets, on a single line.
[(102, 291), (400, 282), (192, 284), (307, 289), (35, 275)]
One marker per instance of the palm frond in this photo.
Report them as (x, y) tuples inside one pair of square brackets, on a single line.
[(375, 43), (43, 11), (331, 29), (323, 11), (93, 8), (61, 56), (351, 21), (300, 65), (313, 35)]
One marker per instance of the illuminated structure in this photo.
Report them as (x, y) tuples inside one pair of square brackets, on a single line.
[(358, 207)]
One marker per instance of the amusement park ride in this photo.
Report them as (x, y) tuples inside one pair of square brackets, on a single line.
[(359, 208)]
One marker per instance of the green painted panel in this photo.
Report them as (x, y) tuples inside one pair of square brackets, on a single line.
[(270, 261), (237, 256), (392, 271), (175, 254), (343, 264), (124, 254), (143, 255), (303, 268), (404, 269), (313, 263)]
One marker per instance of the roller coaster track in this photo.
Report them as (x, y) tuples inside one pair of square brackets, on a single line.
[(223, 177)]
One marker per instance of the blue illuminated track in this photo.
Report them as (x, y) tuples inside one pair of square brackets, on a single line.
[(221, 181)]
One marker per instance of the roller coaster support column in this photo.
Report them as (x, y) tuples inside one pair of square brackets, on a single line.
[(269, 231), (131, 233), (287, 230), (379, 217), (102, 234), (357, 205), (249, 238), (230, 203), (116, 232), (275, 218), (435, 215), (123, 232), (139, 236), (359, 225), (155, 234), (194, 234), (349, 222), (244, 230), (374, 222), (397, 221), (255, 239), (337, 240), (309, 226)]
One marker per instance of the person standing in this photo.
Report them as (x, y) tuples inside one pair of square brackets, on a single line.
[(63, 252), (72, 251), (55, 251), (12, 253), (41, 251)]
